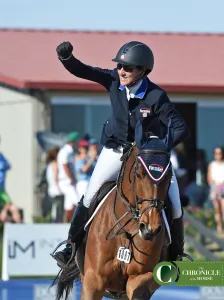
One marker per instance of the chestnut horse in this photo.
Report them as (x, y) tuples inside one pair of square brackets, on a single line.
[(128, 235)]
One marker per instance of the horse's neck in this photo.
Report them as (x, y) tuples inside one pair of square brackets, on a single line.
[(129, 162)]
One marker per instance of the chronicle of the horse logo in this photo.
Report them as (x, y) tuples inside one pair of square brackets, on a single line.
[(145, 112), (155, 167)]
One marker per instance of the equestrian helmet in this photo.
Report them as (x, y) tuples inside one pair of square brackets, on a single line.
[(136, 54)]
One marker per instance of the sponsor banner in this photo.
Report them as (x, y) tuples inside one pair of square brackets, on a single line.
[(34, 289), (38, 289), (27, 248)]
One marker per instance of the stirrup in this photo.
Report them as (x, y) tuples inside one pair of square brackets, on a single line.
[(181, 256), (60, 263)]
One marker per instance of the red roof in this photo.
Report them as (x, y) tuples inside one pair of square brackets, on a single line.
[(11, 81), (183, 62)]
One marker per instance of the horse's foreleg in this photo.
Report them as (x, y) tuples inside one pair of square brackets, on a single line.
[(141, 287), (92, 286)]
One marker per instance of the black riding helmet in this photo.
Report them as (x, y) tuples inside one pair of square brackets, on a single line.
[(136, 54)]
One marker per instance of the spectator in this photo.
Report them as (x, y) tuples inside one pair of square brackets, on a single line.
[(42, 187), (66, 174), (216, 182), (8, 211), (53, 190), (201, 177), (93, 153), (82, 167), (4, 167)]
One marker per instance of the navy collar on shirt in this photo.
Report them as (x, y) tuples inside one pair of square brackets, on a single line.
[(140, 93)]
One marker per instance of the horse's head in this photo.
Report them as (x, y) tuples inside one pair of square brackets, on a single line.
[(148, 170), (153, 175)]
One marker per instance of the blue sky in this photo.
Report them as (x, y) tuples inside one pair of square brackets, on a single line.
[(118, 15)]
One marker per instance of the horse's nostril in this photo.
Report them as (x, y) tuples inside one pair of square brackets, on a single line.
[(145, 227), (142, 226)]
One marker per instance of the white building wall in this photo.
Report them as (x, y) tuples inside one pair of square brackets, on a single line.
[(20, 117)]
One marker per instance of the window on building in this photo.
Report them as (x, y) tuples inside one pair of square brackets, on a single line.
[(82, 114)]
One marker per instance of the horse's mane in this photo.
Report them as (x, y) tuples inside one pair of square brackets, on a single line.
[(127, 153), (124, 158)]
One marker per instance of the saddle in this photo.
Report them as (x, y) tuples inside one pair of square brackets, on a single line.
[(103, 191)]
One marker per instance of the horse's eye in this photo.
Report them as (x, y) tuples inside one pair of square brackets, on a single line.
[(138, 175), (140, 172)]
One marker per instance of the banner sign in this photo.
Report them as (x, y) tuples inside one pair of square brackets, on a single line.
[(27, 248)]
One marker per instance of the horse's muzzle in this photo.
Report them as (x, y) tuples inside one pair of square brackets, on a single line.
[(146, 231)]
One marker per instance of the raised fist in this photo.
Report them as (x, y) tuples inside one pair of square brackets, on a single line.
[(64, 50)]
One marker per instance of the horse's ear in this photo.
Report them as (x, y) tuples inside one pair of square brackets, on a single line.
[(138, 134)]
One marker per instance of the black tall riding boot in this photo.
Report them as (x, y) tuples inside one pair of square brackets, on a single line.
[(177, 235), (75, 235)]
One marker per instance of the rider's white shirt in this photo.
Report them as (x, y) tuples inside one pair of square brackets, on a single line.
[(132, 90)]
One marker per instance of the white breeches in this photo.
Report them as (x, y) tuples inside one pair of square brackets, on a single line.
[(107, 169), (81, 187), (174, 196)]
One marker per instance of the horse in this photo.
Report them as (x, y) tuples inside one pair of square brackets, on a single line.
[(129, 233)]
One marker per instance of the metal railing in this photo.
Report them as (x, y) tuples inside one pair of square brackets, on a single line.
[(204, 235)]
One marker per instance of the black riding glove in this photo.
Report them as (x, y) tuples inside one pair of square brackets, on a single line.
[(64, 50)]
